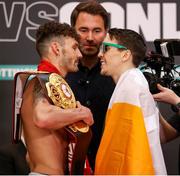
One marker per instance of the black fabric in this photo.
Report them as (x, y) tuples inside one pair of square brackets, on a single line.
[(12, 160), (175, 122), (94, 91)]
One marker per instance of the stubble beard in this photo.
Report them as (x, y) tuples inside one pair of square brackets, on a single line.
[(103, 72), (71, 66), (89, 53)]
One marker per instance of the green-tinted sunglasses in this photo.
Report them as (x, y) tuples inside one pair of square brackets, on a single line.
[(106, 44)]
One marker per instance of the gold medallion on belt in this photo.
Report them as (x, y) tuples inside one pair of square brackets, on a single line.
[(62, 96)]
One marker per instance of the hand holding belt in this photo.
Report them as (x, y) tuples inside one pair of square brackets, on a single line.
[(62, 96)]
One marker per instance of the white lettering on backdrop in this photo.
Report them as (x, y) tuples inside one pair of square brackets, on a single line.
[(154, 22)]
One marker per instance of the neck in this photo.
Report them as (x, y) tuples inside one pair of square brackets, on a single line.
[(61, 69), (54, 62), (118, 72), (50, 66), (89, 62)]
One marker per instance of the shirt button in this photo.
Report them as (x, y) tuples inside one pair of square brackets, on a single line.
[(88, 102)]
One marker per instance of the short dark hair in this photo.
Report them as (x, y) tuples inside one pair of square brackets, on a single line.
[(132, 41), (51, 30), (91, 7)]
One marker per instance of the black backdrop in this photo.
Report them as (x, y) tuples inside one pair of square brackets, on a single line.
[(19, 20)]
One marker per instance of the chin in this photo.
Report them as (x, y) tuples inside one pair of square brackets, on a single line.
[(103, 72), (75, 69), (89, 52)]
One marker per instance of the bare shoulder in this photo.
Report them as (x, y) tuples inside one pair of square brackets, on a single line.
[(38, 92), (34, 91)]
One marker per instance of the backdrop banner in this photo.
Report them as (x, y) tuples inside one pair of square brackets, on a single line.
[(19, 20)]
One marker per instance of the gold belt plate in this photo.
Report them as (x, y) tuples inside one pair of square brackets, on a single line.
[(62, 96)]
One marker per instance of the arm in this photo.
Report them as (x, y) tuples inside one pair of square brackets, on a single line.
[(167, 132), (166, 95), (50, 116), (53, 117)]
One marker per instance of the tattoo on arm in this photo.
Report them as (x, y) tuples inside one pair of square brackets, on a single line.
[(38, 93)]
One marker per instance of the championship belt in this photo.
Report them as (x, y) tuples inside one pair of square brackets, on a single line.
[(60, 94)]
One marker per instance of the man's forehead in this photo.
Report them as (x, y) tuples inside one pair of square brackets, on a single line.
[(86, 14), (89, 20)]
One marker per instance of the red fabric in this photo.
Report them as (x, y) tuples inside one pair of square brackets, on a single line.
[(44, 65), (87, 168)]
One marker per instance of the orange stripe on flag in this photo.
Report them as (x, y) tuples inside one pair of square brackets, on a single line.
[(124, 148)]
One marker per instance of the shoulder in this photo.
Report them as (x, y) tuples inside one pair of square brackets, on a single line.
[(33, 91)]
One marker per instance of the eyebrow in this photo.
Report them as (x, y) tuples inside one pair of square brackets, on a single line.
[(87, 28)]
